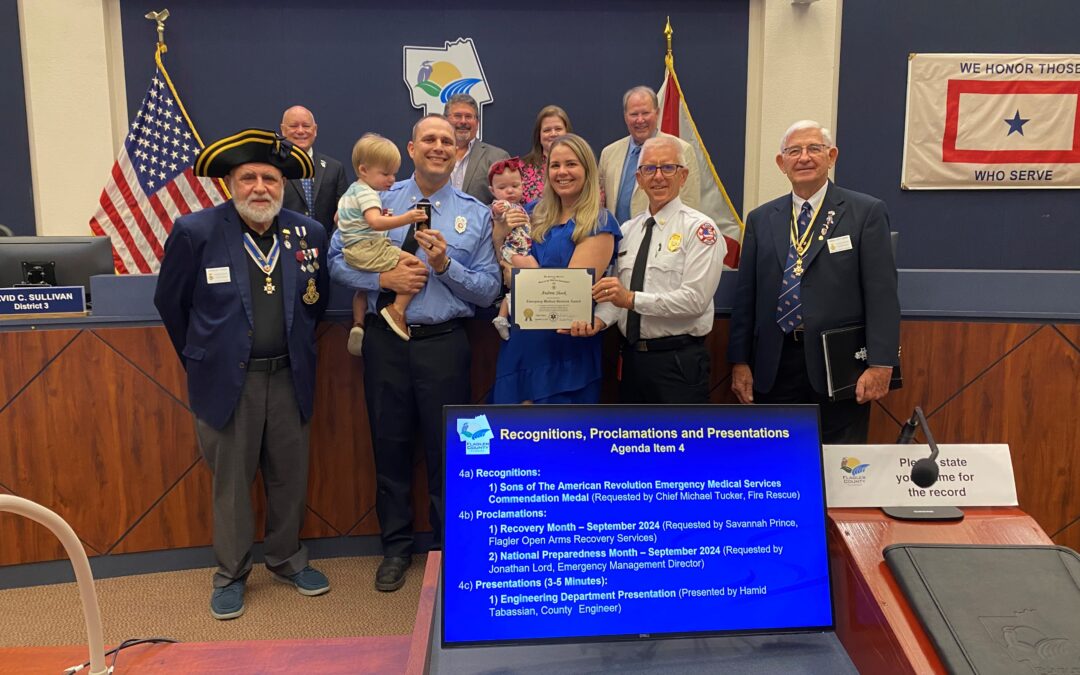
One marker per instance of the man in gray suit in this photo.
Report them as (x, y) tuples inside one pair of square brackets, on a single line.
[(474, 157)]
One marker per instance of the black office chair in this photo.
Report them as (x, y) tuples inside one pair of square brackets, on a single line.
[(5, 231)]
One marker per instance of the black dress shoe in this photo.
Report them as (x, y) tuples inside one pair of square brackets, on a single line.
[(391, 573)]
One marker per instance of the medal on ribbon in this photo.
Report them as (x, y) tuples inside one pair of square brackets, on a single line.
[(266, 263)]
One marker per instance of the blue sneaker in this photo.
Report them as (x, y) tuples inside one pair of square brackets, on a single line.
[(308, 581), (227, 602)]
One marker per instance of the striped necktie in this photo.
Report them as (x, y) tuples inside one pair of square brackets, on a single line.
[(789, 305)]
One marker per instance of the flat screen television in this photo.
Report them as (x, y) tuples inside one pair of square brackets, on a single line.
[(55, 261), (588, 523)]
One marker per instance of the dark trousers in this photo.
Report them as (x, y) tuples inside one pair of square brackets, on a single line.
[(265, 433), (673, 376), (842, 422), (406, 385)]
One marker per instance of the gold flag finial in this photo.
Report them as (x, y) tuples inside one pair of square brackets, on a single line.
[(667, 33), (159, 17)]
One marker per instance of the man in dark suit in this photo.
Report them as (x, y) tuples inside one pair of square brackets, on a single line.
[(315, 197), (815, 259), (241, 290), (474, 157)]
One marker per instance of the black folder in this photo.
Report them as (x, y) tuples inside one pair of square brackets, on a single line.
[(994, 610), (846, 359)]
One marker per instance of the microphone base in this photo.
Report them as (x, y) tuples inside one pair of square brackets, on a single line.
[(943, 513)]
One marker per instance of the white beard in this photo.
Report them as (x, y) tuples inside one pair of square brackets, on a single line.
[(258, 213)]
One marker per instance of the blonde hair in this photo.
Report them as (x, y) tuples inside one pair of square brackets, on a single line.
[(586, 210), (375, 151)]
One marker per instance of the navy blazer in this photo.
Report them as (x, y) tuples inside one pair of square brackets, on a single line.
[(211, 325), (839, 289), (327, 186)]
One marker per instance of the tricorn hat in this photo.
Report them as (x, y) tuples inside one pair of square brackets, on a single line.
[(253, 145)]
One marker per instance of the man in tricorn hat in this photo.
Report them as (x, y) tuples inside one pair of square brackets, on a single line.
[(241, 290)]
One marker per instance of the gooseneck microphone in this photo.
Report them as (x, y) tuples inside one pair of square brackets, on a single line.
[(924, 472)]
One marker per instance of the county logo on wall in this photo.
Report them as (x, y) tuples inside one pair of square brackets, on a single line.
[(434, 74)]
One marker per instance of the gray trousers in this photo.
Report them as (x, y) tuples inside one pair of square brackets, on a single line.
[(265, 433)]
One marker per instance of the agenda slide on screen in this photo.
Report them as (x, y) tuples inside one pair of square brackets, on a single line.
[(579, 522)]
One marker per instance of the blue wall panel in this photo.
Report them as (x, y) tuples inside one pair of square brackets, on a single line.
[(17, 204), (241, 63), (964, 229)]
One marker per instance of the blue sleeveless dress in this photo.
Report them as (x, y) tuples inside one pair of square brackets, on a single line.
[(543, 366)]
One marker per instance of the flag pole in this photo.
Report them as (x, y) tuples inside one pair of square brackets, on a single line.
[(160, 17), (669, 59)]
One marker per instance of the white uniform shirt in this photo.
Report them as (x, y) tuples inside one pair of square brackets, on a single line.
[(685, 260)]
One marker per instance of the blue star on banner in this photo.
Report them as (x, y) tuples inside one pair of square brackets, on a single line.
[(1016, 124)]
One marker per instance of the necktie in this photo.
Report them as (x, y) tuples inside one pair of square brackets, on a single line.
[(788, 305), (626, 185), (637, 282), (309, 195)]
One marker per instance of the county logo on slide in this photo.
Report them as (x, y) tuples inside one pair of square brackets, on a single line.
[(476, 434), (434, 74)]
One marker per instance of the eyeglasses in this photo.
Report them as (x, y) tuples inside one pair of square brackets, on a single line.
[(668, 170), (796, 151)]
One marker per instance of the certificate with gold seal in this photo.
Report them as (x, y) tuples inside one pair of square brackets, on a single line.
[(552, 298)]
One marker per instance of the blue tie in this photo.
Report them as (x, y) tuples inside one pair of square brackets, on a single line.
[(788, 305), (309, 195), (626, 185)]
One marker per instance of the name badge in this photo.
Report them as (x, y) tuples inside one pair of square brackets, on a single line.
[(218, 275), (840, 244)]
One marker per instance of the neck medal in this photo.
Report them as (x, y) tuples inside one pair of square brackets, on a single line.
[(266, 263)]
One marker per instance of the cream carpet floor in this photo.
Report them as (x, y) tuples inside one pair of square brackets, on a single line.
[(176, 605)]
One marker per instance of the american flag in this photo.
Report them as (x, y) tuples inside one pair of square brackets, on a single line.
[(151, 183)]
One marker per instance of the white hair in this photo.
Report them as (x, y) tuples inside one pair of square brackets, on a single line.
[(670, 142), (826, 135)]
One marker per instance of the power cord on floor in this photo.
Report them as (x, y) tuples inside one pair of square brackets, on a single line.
[(115, 651)]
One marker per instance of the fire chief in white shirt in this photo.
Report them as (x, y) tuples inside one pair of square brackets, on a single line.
[(668, 268)]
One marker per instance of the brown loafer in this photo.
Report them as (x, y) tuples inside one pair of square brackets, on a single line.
[(396, 321)]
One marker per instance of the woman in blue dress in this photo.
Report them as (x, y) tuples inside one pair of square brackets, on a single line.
[(569, 229)]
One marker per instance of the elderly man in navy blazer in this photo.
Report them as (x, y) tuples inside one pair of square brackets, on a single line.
[(815, 259), (241, 289)]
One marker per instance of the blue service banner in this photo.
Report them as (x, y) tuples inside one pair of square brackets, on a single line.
[(575, 522), (42, 300)]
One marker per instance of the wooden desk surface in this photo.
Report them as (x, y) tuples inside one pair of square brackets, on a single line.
[(384, 654), (875, 625)]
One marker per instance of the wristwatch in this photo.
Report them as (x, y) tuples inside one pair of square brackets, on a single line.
[(446, 266)]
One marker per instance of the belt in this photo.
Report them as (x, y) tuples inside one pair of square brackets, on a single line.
[(664, 344), (797, 335), (419, 331), (270, 365)]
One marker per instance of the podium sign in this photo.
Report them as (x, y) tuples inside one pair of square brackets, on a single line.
[(880, 475)]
